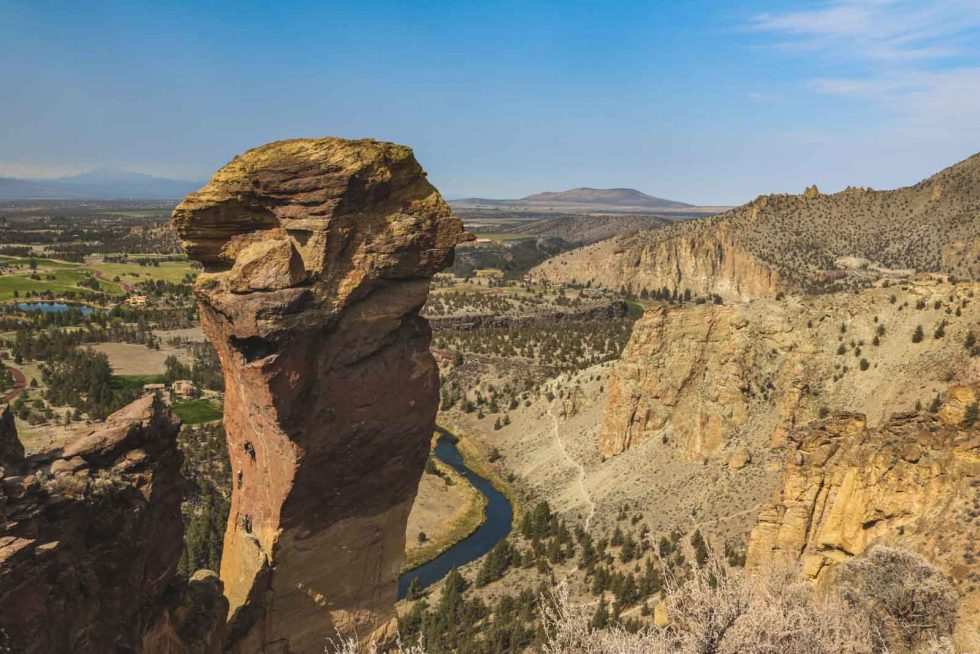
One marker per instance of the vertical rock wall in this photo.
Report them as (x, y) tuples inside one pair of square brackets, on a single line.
[(318, 256), (90, 537)]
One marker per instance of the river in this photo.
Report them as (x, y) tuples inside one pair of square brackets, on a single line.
[(499, 516)]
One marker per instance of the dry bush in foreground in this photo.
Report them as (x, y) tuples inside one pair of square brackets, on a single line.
[(888, 601), (718, 610), (907, 599)]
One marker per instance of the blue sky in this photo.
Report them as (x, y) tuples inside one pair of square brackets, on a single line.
[(705, 102)]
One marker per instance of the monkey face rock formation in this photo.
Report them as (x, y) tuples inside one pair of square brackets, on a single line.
[(317, 258), (90, 537)]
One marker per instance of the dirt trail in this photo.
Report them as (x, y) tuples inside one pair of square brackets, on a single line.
[(581, 469), (20, 383)]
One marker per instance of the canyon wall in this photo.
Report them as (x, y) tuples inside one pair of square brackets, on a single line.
[(703, 381), (706, 263), (90, 537), (317, 258), (911, 482)]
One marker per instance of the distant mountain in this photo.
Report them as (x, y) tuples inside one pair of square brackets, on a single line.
[(100, 184), (813, 242), (585, 200), (622, 197)]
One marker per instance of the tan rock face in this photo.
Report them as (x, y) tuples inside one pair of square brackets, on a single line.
[(702, 381), (705, 263), (90, 537), (318, 255), (911, 483)]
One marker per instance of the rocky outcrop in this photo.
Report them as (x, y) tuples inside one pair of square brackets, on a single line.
[(317, 257), (700, 381), (806, 242), (911, 482), (11, 450), (706, 263), (90, 537)]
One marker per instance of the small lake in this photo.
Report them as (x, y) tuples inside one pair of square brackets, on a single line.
[(499, 516), (54, 307)]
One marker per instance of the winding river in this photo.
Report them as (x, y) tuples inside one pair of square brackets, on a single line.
[(499, 516)]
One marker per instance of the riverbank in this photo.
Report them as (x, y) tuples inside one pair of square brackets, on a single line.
[(497, 525), (461, 524), (476, 457)]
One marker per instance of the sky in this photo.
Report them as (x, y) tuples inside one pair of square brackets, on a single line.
[(703, 102)]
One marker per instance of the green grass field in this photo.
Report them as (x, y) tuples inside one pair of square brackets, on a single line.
[(67, 275), (194, 412), (170, 271), (42, 263), (65, 280)]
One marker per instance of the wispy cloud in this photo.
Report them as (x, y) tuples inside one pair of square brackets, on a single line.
[(879, 30), (920, 60)]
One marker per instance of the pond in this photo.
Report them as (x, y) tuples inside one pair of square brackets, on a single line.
[(499, 516), (54, 307)]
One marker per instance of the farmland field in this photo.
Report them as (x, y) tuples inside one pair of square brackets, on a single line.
[(62, 277), (193, 412)]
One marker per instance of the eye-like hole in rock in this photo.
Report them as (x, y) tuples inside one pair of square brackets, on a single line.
[(301, 236), (252, 348)]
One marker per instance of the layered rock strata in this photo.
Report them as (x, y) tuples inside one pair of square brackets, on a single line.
[(317, 257), (702, 381), (90, 537), (705, 263), (912, 482)]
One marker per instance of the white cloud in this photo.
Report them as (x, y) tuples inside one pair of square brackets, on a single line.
[(879, 30), (920, 61)]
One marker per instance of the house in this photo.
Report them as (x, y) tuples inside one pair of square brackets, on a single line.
[(184, 389), (136, 301), (154, 388)]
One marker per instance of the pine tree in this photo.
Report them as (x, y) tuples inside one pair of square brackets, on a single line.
[(600, 620)]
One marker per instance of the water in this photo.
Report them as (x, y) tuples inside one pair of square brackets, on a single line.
[(499, 515), (54, 307)]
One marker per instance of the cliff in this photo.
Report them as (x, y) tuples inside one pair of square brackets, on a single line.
[(705, 262), (701, 381), (807, 242), (911, 482), (90, 536), (317, 257)]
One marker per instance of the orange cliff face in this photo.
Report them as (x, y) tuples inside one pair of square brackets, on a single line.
[(318, 255), (911, 483)]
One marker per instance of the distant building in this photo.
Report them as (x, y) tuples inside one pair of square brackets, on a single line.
[(154, 388), (136, 300), (184, 389)]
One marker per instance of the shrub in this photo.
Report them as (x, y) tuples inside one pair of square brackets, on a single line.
[(908, 600)]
